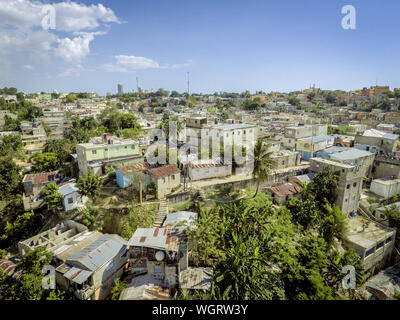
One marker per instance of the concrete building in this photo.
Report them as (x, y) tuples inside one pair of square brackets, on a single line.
[(352, 156), (106, 150), (308, 147), (373, 242), (87, 263), (72, 199), (206, 169), (165, 178), (306, 131), (282, 192), (285, 159), (386, 166), (375, 140), (385, 187), (350, 182)]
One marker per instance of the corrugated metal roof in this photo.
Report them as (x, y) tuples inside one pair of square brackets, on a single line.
[(380, 134), (68, 189), (78, 275), (180, 216), (164, 171), (96, 254), (286, 189), (156, 238)]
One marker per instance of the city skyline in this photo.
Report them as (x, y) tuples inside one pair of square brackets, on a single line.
[(226, 46)]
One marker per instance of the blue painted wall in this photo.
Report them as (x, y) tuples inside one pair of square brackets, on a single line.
[(122, 180)]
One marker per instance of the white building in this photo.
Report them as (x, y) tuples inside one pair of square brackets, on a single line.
[(72, 198)]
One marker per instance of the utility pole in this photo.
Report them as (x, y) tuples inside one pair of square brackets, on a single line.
[(188, 85)]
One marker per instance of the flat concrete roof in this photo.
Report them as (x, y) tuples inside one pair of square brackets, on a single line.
[(366, 233)]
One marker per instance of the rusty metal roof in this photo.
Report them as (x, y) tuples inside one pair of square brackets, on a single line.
[(285, 189), (9, 268), (78, 275), (164, 171), (156, 238), (134, 167), (40, 178)]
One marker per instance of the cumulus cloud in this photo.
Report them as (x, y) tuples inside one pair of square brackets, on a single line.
[(21, 28), (74, 49), (28, 67)]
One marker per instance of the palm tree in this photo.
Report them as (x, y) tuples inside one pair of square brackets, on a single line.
[(262, 163)]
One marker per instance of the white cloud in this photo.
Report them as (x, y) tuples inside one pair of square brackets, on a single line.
[(28, 67), (126, 63), (21, 29), (74, 49), (135, 63)]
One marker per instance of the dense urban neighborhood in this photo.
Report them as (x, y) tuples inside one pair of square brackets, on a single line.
[(162, 195)]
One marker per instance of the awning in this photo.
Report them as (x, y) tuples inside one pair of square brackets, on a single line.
[(78, 275)]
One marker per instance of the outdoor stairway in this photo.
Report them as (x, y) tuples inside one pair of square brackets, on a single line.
[(162, 213)]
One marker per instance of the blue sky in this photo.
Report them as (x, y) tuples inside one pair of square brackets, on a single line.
[(226, 45)]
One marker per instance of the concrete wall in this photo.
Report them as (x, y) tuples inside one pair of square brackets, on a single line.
[(387, 145), (166, 184), (77, 200), (385, 189), (209, 172)]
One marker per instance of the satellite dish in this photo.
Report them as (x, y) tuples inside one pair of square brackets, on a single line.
[(160, 255)]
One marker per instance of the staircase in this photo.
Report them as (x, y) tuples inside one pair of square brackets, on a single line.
[(162, 213)]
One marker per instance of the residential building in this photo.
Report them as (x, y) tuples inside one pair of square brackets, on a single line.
[(363, 159), (282, 192), (349, 185), (372, 241), (72, 199), (87, 263), (106, 150), (385, 187), (375, 140), (206, 169), (285, 159), (308, 147), (165, 178)]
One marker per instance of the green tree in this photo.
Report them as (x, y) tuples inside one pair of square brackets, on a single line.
[(117, 289), (10, 178), (262, 163), (89, 185), (45, 162), (51, 196)]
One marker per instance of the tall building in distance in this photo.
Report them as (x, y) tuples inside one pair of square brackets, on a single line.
[(120, 89)]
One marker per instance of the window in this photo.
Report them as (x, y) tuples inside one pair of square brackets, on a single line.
[(380, 245), (217, 135), (163, 180), (70, 200), (126, 147), (382, 216), (227, 134), (388, 240), (94, 151), (348, 186), (355, 184), (106, 149), (251, 130), (173, 177), (345, 200), (369, 252), (132, 147)]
